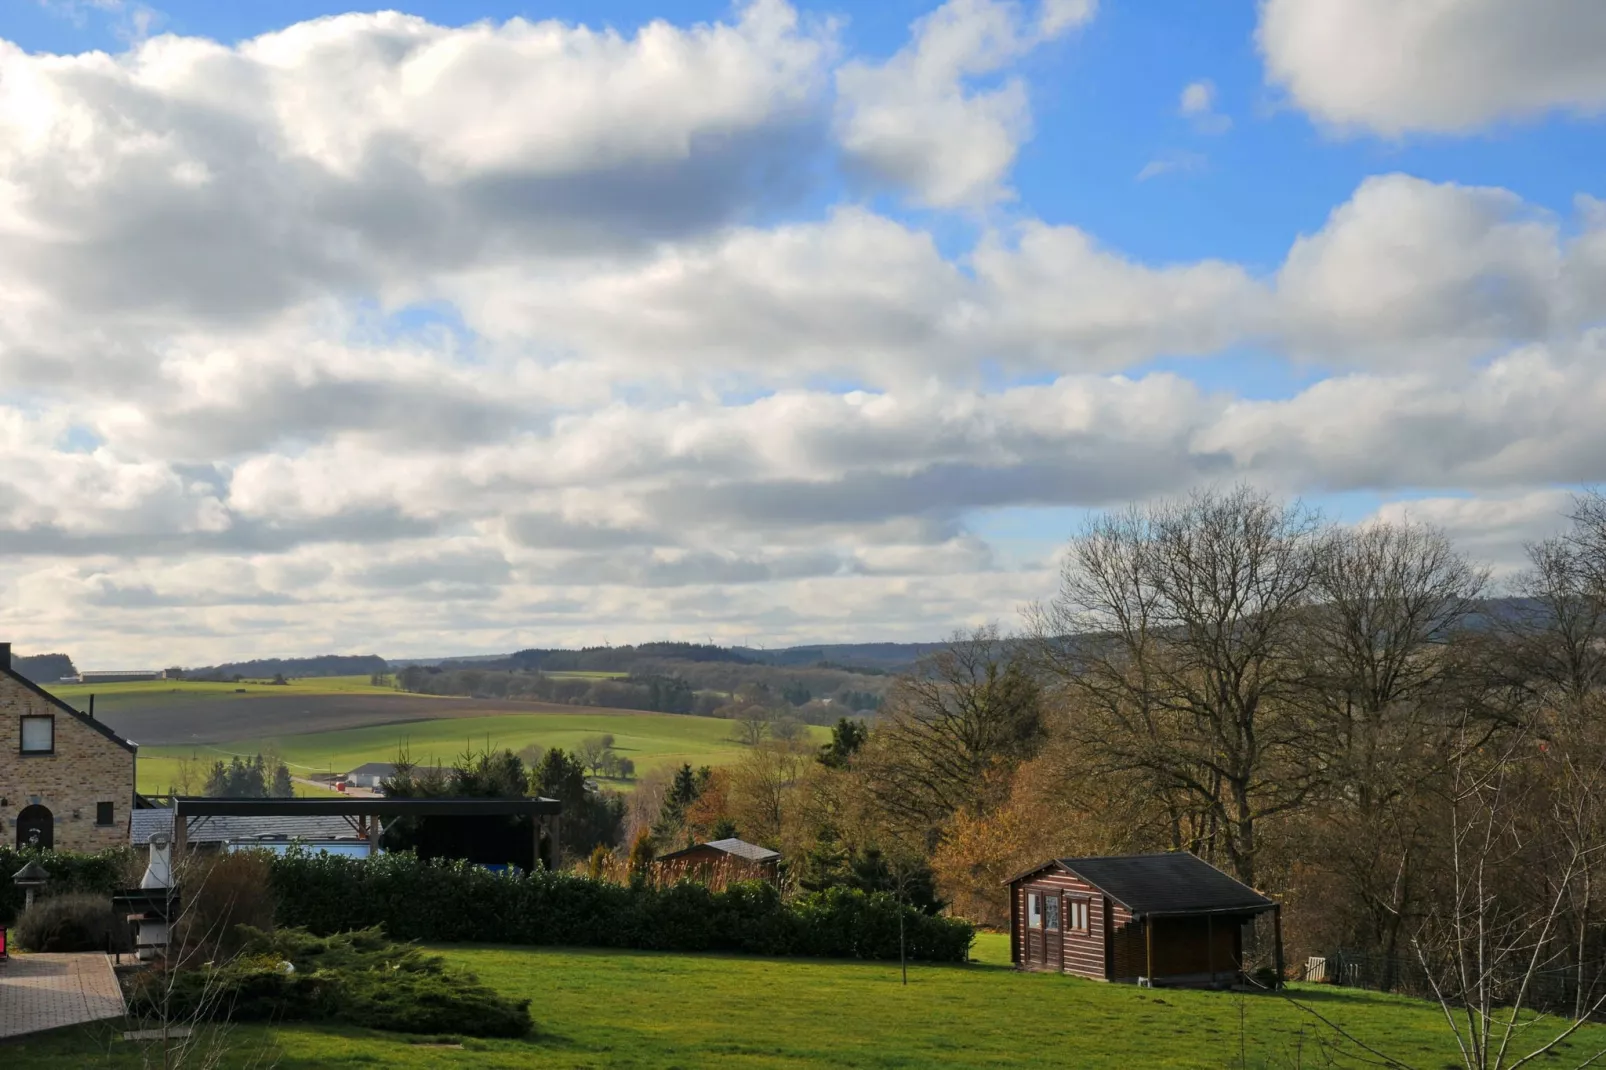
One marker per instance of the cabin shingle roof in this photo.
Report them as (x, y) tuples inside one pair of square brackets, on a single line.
[(1171, 883)]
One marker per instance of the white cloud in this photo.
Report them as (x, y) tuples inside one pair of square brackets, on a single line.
[(1171, 163), (1408, 270), (1198, 103), (1439, 66), (917, 121), (436, 370)]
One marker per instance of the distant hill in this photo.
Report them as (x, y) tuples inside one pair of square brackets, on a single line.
[(45, 668), (324, 665)]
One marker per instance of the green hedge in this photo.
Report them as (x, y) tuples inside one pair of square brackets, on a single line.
[(444, 901), (100, 874)]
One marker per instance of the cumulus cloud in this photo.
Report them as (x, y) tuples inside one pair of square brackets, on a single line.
[(527, 341), (919, 122), (1445, 66)]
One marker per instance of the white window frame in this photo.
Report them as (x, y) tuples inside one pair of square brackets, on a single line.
[(33, 719), (1078, 915), (1034, 910)]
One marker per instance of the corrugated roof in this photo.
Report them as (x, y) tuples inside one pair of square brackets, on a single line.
[(1172, 883), (742, 849), (146, 823)]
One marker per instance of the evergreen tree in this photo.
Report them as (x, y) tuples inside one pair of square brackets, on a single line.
[(283, 787)]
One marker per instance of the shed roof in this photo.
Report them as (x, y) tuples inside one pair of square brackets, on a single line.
[(752, 852), (1172, 883), (143, 824)]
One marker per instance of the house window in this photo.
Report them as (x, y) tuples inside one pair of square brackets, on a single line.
[(38, 735), (1076, 910), (1034, 910), (1051, 914), (103, 813)]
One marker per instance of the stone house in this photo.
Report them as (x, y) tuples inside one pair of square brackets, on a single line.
[(66, 780)]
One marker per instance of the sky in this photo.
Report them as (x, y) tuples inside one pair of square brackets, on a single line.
[(480, 326)]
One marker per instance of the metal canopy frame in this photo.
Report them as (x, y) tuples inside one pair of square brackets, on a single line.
[(365, 815)]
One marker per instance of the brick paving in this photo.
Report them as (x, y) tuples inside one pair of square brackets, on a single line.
[(50, 991)]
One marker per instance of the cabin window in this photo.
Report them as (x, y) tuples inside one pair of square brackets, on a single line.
[(1076, 910), (38, 735), (1051, 913), (1034, 910)]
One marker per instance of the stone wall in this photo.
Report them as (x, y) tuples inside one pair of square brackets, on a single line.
[(87, 768)]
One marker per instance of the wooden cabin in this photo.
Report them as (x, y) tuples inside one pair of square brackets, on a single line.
[(738, 856), (1161, 919)]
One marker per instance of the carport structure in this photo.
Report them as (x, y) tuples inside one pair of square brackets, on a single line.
[(367, 816)]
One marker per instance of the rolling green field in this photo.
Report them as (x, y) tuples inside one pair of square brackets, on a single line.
[(166, 690), (596, 1008), (651, 740)]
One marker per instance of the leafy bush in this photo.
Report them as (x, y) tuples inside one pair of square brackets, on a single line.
[(76, 921), (102, 873), (453, 901), (361, 978)]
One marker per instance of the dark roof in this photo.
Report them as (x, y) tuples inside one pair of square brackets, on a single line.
[(752, 852), (374, 769), (62, 706), (143, 824), (1171, 883)]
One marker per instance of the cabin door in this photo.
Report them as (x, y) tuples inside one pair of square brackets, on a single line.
[(1045, 948)]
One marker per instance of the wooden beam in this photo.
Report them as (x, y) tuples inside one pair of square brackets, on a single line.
[(557, 840), (1277, 922), (1148, 949), (1210, 946)]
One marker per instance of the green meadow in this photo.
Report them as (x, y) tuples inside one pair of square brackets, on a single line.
[(651, 740), (597, 1008)]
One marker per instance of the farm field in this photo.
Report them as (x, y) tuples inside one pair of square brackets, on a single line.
[(596, 1008), (651, 740)]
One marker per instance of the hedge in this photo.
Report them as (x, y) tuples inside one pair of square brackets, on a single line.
[(100, 874), (457, 902)]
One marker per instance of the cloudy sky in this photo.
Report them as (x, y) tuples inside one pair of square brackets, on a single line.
[(485, 325)]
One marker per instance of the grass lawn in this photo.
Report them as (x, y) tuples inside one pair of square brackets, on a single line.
[(651, 740), (641, 1009)]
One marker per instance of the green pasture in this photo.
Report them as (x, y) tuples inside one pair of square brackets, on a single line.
[(599, 1008), (159, 774), (651, 740), (168, 690)]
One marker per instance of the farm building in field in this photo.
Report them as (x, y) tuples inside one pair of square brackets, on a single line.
[(738, 854), (1161, 919), (372, 774)]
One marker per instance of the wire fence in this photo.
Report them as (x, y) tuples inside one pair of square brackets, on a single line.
[(1554, 990)]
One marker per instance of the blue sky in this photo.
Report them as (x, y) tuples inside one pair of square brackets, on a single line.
[(815, 312)]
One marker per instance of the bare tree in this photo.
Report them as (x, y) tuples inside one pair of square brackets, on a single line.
[(971, 710), (1176, 628), (1388, 602), (752, 724), (1488, 952)]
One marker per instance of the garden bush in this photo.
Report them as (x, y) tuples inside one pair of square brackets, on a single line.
[(448, 901), (359, 978), (76, 921), (220, 893), (102, 873)]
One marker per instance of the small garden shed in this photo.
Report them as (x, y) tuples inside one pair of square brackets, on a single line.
[(743, 858), (1160, 919)]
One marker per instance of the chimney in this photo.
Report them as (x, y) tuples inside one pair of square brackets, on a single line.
[(5, 655)]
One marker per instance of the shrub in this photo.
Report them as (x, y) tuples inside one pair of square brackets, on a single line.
[(220, 893), (361, 978), (76, 921), (102, 873), (450, 901)]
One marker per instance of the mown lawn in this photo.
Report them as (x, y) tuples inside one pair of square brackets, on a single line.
[(640, 1009)]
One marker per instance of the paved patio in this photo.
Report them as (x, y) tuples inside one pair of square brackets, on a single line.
[(49, 991)]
